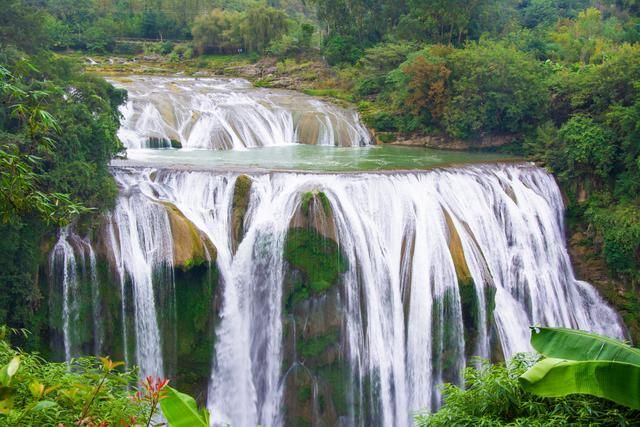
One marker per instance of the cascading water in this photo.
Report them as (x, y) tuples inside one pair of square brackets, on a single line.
[(328, 299), (71, 276), (223, 114), (142, 251), (423, 250)]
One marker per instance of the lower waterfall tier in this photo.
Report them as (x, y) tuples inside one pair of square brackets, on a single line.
[(305, 299)]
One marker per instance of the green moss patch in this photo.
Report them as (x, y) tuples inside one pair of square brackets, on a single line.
[(308, 197), (319, 259), (312, 348)]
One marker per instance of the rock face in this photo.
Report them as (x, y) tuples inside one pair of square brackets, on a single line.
[(317, 375), (191, 247), (449, 143), (469, 297), (241, 199)]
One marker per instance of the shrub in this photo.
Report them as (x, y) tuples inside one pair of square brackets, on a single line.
[(493, 397), (341, 50), (35, 392)]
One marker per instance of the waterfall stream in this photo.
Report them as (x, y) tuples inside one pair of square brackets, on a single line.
[(403, 325), (191, 275), (223, 114)]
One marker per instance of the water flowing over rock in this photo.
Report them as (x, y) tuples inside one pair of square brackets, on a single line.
[(74, 279), (224, 114), (397, 281)]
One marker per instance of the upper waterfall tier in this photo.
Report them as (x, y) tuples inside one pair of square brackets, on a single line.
[(225, 114)]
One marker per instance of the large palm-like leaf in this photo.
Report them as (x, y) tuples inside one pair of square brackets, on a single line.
[(571, 344), (181, 410), (616, 381), (581, 362)]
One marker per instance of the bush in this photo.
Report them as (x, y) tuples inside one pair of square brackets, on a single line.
[(41, 393), (341, 50), (494, 397), (589, 146), (494, 88)]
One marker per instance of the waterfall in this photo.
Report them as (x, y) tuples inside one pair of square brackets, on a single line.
[(223, 114), (443, 265), (72, 275), (62, 257), (142, 247)]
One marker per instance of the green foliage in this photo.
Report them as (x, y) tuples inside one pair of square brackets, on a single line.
[(39, 393), (573, 344), (581, 362), (620, 228), (181, 410), (298, 41), (341, 50), (223, 31), (588, 146), (553, 377), (493, 397), (313, 347), (57, 134), (494, 88), (318, 258)]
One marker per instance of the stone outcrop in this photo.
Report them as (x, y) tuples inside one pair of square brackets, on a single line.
[(317, 375), (449, 143), (191, 247), (241, 199)]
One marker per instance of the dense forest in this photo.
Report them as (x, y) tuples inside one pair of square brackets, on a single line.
[(556, 82)]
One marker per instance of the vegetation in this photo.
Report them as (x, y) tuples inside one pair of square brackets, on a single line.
[(549, 391), (87, 391), (318, 258), (222, 31), (38, 393), (492, 396), (57, 134)]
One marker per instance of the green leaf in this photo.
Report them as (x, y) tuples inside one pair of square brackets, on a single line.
[(616, 381), (44, 404), (181, 410), (9, 370), (13, 366), (571, 344)]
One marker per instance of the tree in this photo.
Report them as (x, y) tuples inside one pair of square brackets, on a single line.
[(590, 147), (260, 26), (494, 88), (216, 32), (427, 86)]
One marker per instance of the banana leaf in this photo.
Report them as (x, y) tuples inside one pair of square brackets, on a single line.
[(181, 410), (616, 381), (571, 344)]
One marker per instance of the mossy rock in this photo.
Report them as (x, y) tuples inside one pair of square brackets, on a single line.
[(195, 299), (313, 348), (311, 196), (318, 259), (315, 212), (240, 206), (191, 247), (469, 297), (175, 143)]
